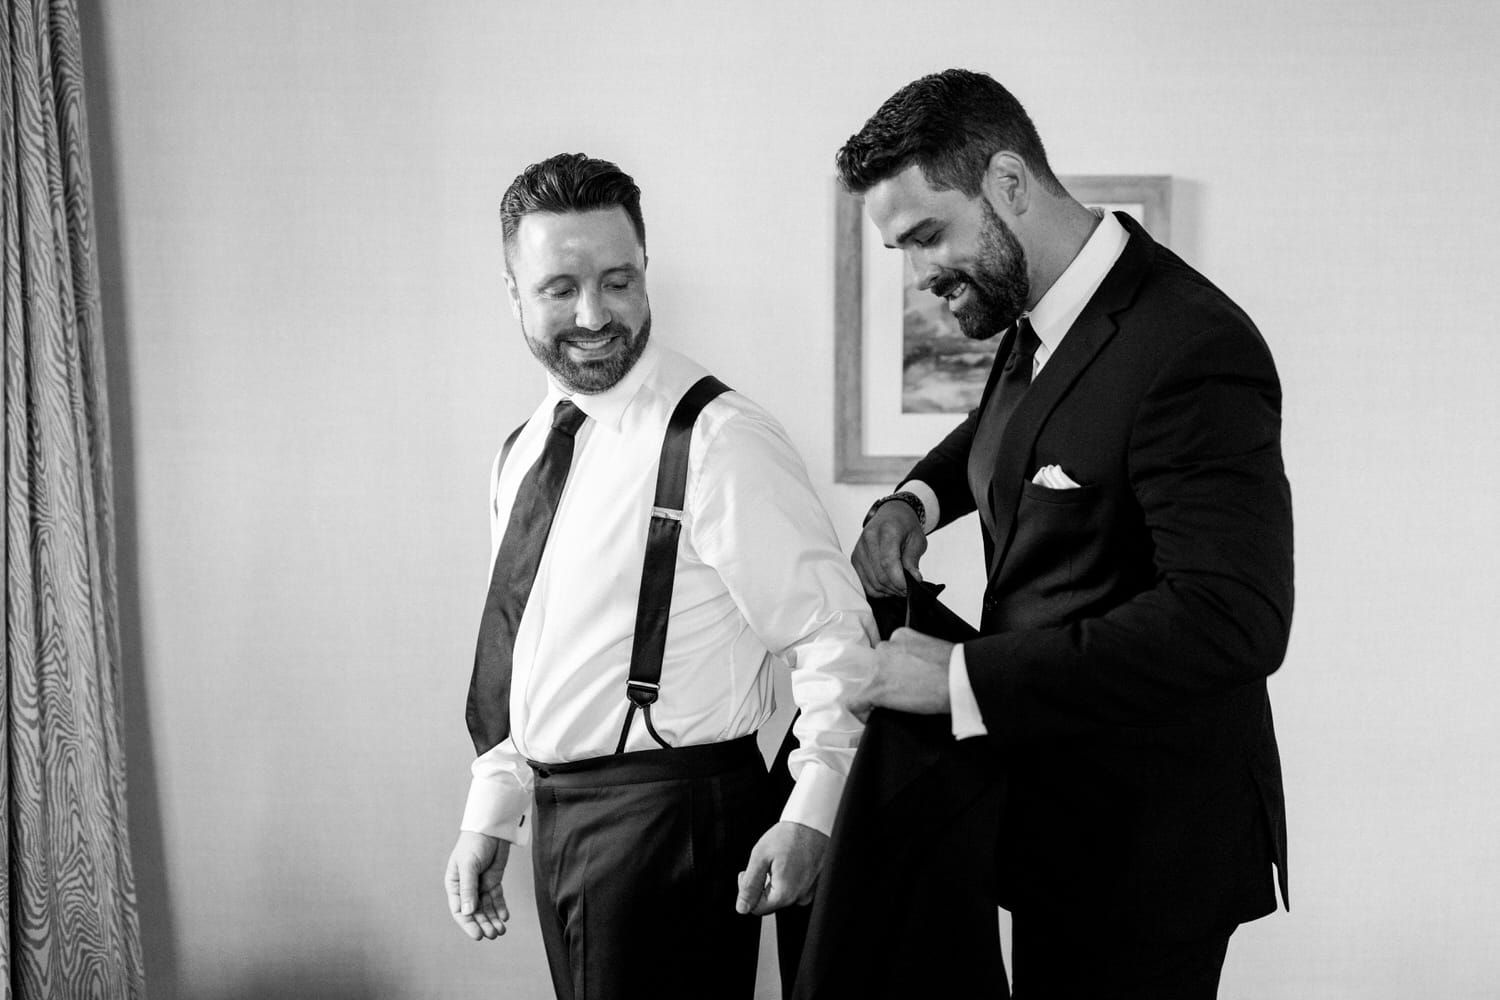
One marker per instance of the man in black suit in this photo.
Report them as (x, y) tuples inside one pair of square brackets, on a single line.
[(1125, 462)]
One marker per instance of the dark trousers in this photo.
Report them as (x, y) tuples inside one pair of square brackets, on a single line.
[(636, 858), (1057, 961)]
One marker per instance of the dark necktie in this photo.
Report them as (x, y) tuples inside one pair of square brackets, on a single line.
[(488, 711), (1014, 380)]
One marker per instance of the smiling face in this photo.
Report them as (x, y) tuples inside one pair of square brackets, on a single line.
[(577, 284), (959, 248)]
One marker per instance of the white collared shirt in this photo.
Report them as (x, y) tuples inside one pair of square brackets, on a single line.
[(759, 577), (1051, 318), (1054, 315)]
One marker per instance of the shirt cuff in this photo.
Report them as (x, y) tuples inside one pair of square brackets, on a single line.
[(967, 719), (496, 811), (929, 502), (815, 797)]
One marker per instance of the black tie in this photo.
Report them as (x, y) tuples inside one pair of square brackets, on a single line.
[(488, 711), (1016, 377), (1012, 384)]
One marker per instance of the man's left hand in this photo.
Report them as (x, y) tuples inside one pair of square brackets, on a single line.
[(911, 675), (783, 869)]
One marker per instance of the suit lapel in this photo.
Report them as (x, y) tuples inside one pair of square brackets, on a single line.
[(1094, 328)]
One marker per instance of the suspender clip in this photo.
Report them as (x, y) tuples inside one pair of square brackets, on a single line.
[(642, 692)]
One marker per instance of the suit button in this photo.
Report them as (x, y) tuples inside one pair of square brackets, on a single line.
[(990, 604)]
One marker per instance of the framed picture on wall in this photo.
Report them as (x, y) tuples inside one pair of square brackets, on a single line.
[(904, 375)]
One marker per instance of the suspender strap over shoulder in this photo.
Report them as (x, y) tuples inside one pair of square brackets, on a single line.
[(660, 567)]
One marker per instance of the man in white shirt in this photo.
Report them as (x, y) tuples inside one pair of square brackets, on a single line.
[(640, 822), (1125, 465)]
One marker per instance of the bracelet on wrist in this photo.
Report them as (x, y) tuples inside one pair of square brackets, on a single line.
[(904, 496)]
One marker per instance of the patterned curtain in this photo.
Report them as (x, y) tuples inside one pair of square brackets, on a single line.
[(67, 894)]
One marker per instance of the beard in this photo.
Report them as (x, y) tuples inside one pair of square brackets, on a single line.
[(998, 286), (590, 377)]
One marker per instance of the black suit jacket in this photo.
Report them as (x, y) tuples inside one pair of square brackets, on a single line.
[(1129, 625), (905, 905)]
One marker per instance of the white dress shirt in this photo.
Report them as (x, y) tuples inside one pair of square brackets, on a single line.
[(1051, 318), (759, 578)]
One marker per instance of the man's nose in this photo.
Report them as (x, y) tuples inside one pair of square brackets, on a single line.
[(924, 271), (591, 313)]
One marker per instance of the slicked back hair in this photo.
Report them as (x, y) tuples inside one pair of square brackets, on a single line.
[(569, 182), (949, 124)]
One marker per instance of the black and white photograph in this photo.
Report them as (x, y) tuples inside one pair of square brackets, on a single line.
[(749, 501)]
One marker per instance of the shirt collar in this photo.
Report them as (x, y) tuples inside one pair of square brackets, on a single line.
[(608, 407), (1055, 313)]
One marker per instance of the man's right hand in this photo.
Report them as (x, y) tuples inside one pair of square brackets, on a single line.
[(473, 882), (889, 547)]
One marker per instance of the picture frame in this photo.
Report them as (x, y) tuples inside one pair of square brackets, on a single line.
[(903, 376)]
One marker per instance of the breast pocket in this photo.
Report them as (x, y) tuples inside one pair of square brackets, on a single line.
[(1045, 502), (1058, 549)]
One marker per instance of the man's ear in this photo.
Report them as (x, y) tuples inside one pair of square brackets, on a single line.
[(1007, 184), (513, 293)]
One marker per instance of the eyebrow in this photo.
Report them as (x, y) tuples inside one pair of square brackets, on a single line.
[(910, 232)]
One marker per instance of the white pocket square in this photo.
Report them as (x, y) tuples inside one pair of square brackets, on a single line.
[(1053, 477)]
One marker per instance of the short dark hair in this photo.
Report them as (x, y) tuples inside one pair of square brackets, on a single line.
[(949, 124), (569, 182)]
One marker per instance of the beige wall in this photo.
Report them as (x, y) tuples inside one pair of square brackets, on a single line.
[(313, 363)]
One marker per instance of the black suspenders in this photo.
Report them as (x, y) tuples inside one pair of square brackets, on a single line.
[(660, 567)]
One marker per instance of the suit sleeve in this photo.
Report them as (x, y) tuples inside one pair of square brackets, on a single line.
[(1205, 467), (945, 469)]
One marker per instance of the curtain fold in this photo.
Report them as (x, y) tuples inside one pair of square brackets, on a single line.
[(67, 898)]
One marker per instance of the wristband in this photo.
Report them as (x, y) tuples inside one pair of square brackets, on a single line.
[(906, 497)]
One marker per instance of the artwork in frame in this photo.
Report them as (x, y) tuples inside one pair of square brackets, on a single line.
[(904, 374)]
